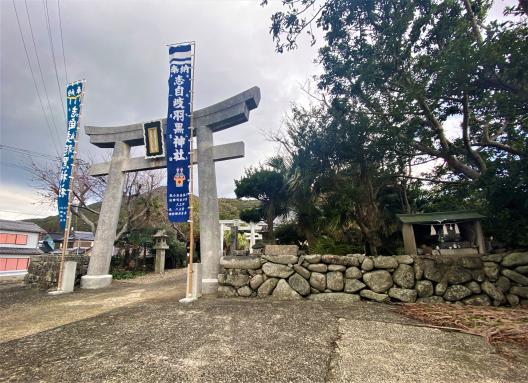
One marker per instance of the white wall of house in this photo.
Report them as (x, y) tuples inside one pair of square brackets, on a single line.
[(32, 240)]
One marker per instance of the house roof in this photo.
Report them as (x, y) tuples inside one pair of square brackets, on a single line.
[(84, 235), (440, 217), (78, 235), (19, 251), (23, 226)]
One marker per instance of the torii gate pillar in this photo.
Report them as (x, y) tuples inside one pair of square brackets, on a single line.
[(223, 115), (108, 219), (209, 214)]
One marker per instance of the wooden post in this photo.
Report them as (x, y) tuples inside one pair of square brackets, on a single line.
[(70, 195), (479, 238), (409, 242)]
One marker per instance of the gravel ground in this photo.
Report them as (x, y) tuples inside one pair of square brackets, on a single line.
[(136, 331)]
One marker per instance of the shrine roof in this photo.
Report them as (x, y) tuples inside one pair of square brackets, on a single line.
[(442, 216)]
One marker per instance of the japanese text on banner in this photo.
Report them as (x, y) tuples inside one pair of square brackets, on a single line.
[(73, 102), (178, 135)]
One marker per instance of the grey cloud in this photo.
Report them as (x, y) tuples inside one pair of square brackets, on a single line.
[(119, 48)]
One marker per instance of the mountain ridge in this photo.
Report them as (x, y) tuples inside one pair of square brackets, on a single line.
[(229, 208)]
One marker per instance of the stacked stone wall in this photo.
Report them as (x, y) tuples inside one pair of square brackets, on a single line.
[(283, 273), (43, 272)]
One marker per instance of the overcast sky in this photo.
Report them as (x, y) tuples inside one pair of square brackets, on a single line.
[(119, 48)]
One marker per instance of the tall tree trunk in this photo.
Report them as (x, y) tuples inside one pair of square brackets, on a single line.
[(309, 234), (373, 249), (270, 216), (405, 198)]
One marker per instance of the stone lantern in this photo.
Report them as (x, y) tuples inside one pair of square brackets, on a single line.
[(160, 245)]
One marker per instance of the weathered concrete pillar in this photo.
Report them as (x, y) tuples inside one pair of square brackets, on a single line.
[(197, 280), (210, 252), (409, 241), (222, 239), (99, 266), (234, 239), (159, 266), (252, 240), (480, 240), (68, 279)]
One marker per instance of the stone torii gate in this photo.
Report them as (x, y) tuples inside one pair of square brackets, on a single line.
[(206, 121)]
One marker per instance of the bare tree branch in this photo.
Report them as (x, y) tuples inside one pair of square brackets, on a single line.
[(472, 21), (465, 136)]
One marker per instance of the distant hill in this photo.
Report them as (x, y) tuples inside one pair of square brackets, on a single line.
[(229, 208)]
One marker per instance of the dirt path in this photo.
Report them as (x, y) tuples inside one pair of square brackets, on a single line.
[(27, 311)]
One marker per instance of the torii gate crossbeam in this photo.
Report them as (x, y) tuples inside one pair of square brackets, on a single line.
[(223, 115)]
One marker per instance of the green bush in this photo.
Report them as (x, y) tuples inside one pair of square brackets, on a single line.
[(289, 234), (127, 274), (327, 245)]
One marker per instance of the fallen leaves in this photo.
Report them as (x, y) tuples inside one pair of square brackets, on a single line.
[(502, 327)]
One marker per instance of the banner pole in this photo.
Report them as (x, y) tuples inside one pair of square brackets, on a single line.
[(70, 194), (191, 186)]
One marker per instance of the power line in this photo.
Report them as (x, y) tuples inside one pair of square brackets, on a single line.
[(35, 81), (27, 152), (15, 166), (62, 42), (45, 2), (57, 137)]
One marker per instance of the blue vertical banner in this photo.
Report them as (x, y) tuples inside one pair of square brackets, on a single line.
[(74, 93), (178, 134)]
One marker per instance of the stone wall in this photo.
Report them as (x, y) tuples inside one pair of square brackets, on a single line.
[(43, 270), (280, 272)]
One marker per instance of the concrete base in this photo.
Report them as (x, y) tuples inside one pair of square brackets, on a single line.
[(68, 276), (209, 286), (92, 282), (59, 292), (188, 300), (197, 280)]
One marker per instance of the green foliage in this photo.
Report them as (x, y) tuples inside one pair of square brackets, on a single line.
[(289, 234), (127, 274), (252, 215), (176, 254), (408, 82), (338, 179), (327, 245), (506, 198), (502, 198), (242, 242), (267, 186)]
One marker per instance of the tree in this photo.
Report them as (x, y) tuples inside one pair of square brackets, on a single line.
[(438, 82), (252, 215), (267, 186), (336, 173), (87, 190), (140, 205), (416, 65)]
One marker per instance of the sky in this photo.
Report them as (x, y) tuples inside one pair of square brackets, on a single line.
[(119, 47)]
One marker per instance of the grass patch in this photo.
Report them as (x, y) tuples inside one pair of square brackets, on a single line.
[(127, 274), (504, 328)]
